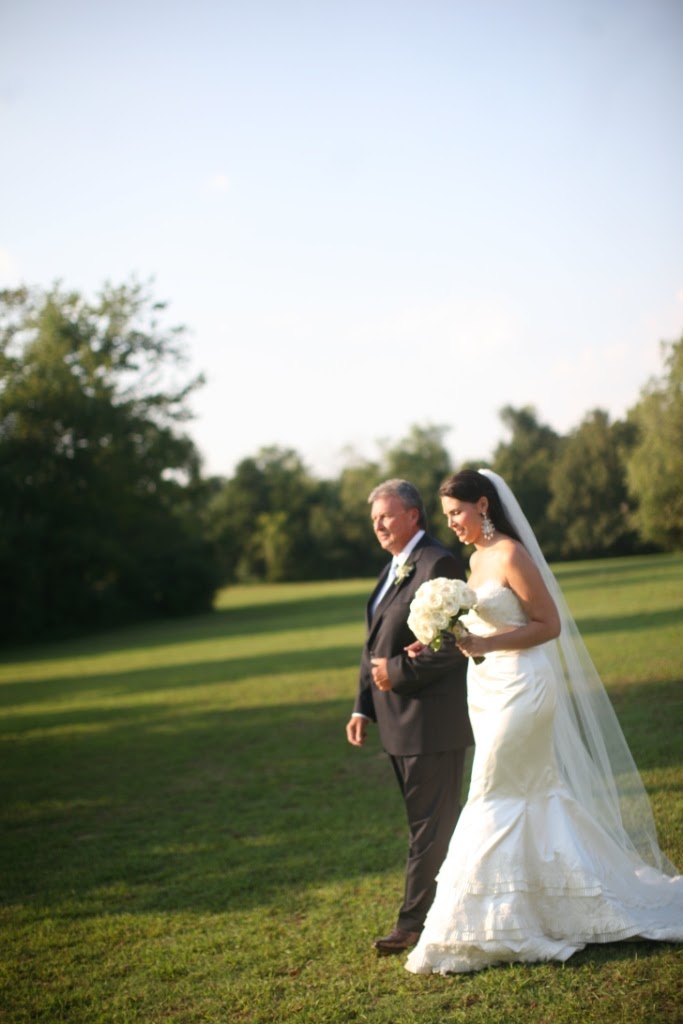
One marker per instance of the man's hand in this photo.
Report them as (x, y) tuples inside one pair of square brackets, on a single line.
[(380, 674), (414, 649), (356, 730)]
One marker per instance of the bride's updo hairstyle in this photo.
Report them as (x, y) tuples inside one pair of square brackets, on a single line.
[(469, 485)]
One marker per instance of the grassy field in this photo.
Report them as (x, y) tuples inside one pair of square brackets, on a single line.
[(187, 836)]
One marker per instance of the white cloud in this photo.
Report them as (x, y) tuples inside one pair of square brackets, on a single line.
[(9, 272), (608, 377), (448, 332), (219, 183)]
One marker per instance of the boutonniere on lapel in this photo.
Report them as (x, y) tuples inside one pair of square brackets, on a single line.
[(403, 572)]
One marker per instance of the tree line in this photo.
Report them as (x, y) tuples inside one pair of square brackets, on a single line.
[(106, 516)]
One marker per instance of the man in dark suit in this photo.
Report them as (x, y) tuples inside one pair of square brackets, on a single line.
[(419, 703)]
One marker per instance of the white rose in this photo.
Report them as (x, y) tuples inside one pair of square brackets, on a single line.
[(421, 627), (436, 604)]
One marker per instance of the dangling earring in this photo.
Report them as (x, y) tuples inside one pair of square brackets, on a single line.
[(487, 527)]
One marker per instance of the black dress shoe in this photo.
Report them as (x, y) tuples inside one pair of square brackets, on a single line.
[(396, 941)]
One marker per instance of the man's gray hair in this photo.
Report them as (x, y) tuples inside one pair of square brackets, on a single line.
[(406, 492)]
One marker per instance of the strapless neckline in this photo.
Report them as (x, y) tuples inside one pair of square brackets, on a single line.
[(497, 609), (492, 585)]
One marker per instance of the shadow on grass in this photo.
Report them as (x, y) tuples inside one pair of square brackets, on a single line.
[(167, 677), (639, 622), (617, 571), (315, 612), (651, 716), (209, 812), (166, 807), (596, 954)]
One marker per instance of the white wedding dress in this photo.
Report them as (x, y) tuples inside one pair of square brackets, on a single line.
[(530, 875)]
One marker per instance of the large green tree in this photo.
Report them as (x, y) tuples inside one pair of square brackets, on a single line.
[(259, 519), (655, 465), (525, 462), (421, 457), (590, 506), (273, 520), (347, 522), (97, 478)]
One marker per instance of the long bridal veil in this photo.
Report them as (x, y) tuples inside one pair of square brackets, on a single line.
[(592, 753)]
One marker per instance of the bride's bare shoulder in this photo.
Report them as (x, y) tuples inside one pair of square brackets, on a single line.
[(492, 561), (505, 548), (512, 554)]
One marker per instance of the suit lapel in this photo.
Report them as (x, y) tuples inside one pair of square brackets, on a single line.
[(380, 583), (393, 591)]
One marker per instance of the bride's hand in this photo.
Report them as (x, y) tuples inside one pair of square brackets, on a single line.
[(414, 649), (472, 646)]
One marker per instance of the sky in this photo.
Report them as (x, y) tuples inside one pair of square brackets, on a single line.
[(369, 214)]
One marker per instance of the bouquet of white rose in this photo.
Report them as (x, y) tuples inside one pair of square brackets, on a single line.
[(436, 608)]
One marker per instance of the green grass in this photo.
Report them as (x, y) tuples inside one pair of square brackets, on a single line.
[(187, 836)]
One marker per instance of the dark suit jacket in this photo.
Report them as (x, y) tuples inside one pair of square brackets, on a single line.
[(425, 712)]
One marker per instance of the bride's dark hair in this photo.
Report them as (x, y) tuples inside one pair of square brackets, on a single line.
[(469, 485)]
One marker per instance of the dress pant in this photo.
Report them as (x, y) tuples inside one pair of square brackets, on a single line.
[(431, 785)]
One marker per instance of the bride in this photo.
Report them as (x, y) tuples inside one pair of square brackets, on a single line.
[(556, 846)]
